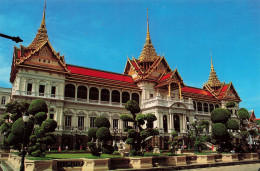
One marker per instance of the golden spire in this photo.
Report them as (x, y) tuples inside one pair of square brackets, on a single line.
[(148, 53), (213, 79), (41, 35)]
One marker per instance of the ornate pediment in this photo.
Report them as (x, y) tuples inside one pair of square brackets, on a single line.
[(81, 113), (93, 114), (68, 112)]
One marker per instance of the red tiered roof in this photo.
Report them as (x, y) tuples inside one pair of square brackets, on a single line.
[(196, 91), (100, 74), (166, 76)]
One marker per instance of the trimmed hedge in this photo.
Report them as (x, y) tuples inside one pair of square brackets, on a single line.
[(219, 131), (220, 115), (40, 117), (132, 133), (243, 113), (101, 121), (230, 104), (126, 117), (232, 124), (92, 133), (49, 125), (38, 105), (132, 106), (6, 116), (103, 134)]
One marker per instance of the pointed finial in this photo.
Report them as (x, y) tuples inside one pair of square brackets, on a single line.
[(43, 17), (212, 67), (147, 21)]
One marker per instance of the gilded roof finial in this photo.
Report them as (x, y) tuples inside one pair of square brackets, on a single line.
[(212, 67), (148, 53), (41, 35), (43, 17), (213, 79)]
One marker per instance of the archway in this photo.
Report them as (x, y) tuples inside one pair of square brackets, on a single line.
[(176, 120), (165, 125)]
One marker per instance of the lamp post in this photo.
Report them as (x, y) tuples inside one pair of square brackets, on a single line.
[(25, 120)]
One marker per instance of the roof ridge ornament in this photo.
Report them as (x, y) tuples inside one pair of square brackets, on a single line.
[(148, 53), (213, 80), (41, 36)]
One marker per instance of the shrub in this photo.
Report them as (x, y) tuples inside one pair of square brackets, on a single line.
[(126, 117), (232, 124), (230, 104), (40, 117), (38, 105), (150, 117), (243, 113), (102, 121), (252, 132), (220, 115), (132, 106), (92, 133), (219, 131), (130, 141), (6, 116), (49, 125), (4, 127), (108, 149), (132, 133), (140, 118), (93, 149), (103, 134), (135, 153)]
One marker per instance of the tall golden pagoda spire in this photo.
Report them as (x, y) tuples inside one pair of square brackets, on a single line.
[(148, 53), (213, 79), (41, 35)]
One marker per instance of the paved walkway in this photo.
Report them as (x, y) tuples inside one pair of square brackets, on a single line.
[(243, 167)]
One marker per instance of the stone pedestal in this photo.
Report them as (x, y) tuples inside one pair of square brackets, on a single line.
[(142, 162), (229, 157), (205, 159), (176, 161)]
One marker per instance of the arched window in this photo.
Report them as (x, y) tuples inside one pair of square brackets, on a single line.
[(115, 96), (105, 95), (165, 125), (82, 92), (206, 107), (216, 106), (135, 97), (3, 100), (211, 107), (93, 93), (194, 105), (199, 106), (70, 90), (125, 97)]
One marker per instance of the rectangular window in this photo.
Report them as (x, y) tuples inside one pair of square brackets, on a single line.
[(115, 123), (51, 116), (81, 122), (41, 90), (53, 91), (29, 88), (67, 122), (92, 119), (125, 124), (3, 100)]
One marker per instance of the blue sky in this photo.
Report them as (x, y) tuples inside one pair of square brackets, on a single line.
[(101, 34)]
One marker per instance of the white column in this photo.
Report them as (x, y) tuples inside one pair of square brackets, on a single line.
[(99, 96), (76, 93), (88, 95), (120, 98), (61, 118), (110, 97)]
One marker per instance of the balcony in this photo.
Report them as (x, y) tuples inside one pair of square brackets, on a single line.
[(159, 101)]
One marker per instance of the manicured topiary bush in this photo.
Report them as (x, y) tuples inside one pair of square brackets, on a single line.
[(132, 106), (6, 116), (36, 106), (220, 115), (253, 132), (230, 104), (219, 131), (103, 134), (49, 125), (243, 114), (92, 133), (101, 121), (40, 117), (232, 124)]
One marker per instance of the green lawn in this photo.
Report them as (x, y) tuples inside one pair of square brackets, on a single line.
[(72, 156)]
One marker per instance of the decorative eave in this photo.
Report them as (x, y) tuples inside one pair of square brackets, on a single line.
[(230, 85)]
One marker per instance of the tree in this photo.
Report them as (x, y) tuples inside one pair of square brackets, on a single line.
[(143, 128), (230, 104), (220, 117), (101, 133)]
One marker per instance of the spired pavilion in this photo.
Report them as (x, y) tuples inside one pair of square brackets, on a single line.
[(76, 95)]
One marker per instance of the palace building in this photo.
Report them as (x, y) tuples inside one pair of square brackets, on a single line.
[(76, 95)]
